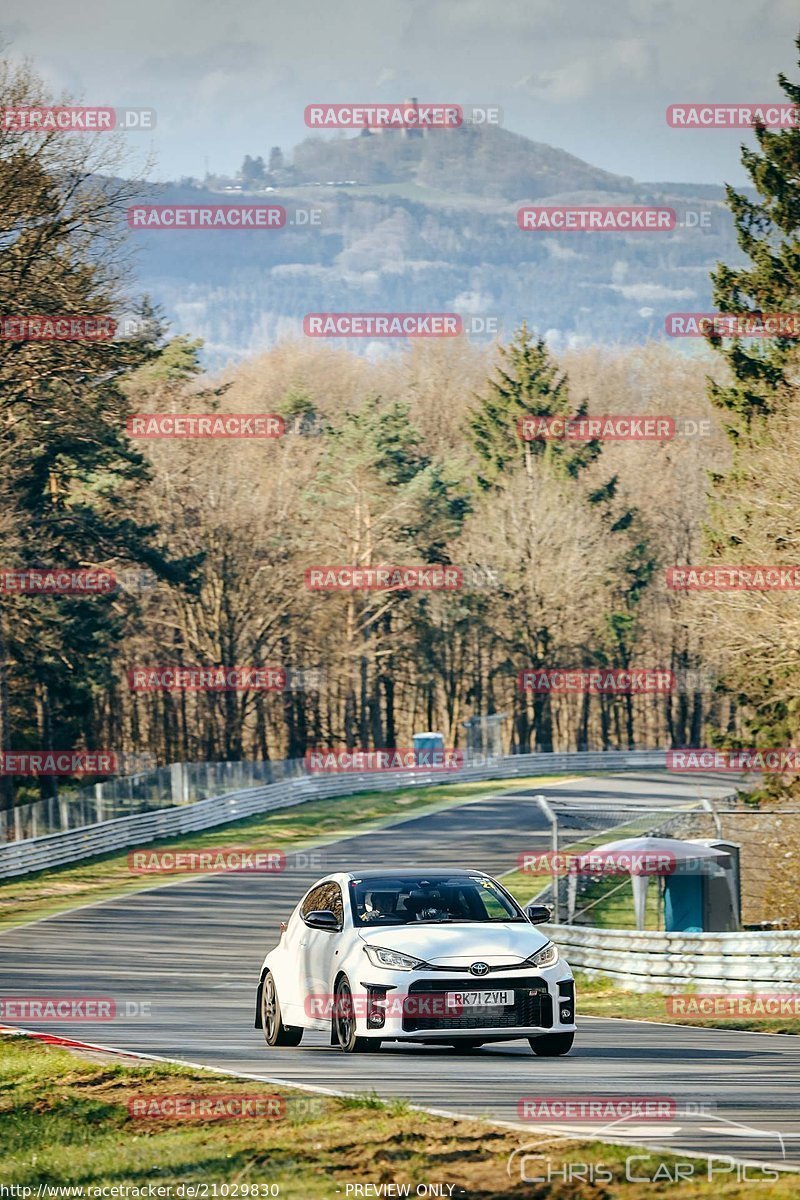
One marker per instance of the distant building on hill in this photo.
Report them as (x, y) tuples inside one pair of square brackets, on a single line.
[(408, 131)]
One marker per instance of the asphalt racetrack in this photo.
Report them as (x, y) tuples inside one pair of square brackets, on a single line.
[(191, 951)]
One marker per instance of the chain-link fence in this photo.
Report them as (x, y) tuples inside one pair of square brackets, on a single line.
[(161, 787), (769, 859)]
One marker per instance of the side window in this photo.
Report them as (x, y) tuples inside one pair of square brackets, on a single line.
[(494, 906), (327, 895)]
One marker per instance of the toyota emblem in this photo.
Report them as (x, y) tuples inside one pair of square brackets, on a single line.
[(479, 968)]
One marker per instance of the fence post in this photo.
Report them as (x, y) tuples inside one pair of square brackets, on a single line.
[(553, 819), (709, 807), (177, 782)]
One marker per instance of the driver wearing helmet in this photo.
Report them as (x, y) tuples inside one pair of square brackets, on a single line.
[(426, 906), (378, 905)]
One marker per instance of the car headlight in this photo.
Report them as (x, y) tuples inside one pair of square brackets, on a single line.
[(546, 957), (392, 959)]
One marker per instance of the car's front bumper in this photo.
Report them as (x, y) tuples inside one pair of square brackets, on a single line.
[(411, 1005)]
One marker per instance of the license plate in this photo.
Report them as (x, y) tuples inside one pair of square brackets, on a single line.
[(482, 999)]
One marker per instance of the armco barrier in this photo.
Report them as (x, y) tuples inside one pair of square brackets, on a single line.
[(37, 854), (717, 962)]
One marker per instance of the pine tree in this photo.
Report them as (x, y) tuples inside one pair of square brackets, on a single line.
[(527, 383), (758, 405), (71, 479), (768, 232)]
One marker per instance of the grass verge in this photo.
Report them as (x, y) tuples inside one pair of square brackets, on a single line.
[(602, 998), (68, 1120), (31, 897)]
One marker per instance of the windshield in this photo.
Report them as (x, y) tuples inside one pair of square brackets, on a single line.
[(431, 899)]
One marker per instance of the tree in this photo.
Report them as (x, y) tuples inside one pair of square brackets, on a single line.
[(527, 383), (768, 232), (759, 405), (382, 499), (252, 172), (70, 480)]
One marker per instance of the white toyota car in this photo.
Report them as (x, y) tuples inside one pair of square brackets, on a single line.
[(438, 956)]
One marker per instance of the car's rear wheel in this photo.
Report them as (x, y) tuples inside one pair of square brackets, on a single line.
[(344, 1022), (552, 1045), (275, 1032)]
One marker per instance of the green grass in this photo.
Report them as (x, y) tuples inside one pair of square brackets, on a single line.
[(597, 997), (313, 823), (611, 901), (65, 1121)]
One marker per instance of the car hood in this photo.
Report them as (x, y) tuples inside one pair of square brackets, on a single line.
[(459, 945)]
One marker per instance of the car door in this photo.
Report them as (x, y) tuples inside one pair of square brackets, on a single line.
[(287, 975), (318, 953)]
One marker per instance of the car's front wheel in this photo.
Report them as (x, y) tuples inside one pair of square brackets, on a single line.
[(344, 1022), (275, 1032), (552, 1045)]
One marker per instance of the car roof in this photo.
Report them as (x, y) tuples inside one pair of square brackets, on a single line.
[(412, 872)]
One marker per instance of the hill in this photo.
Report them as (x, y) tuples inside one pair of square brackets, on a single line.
[(429, 224)]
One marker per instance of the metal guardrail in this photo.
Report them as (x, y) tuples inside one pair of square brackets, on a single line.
[(147, 791), (640, 960), (722, 962), (28, 855)]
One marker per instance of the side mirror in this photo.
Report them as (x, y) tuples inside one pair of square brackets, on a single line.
[(538, 914), (322, 918)]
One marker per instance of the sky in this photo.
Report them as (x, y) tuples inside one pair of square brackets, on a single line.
[(593, 77)]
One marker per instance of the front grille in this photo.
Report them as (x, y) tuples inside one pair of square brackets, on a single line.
[(503, 967), (532, 1006)]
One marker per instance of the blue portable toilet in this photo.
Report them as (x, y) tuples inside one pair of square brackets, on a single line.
[(424, 746), (683, 903), (706, 900)]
